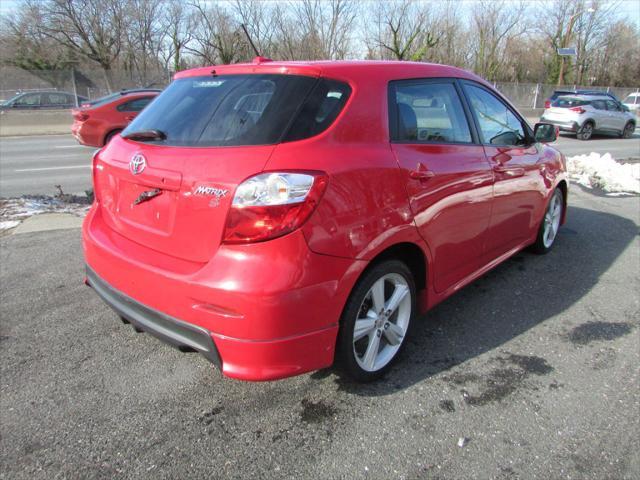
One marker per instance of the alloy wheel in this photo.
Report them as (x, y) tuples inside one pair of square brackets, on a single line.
[(382, 322), (552, 219)]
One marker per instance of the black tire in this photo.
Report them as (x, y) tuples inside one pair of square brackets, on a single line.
[(586, 131), (110, 135), (542, 246), (629, 128), (345, 347)]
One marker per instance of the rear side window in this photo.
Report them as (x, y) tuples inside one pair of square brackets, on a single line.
[(567, 102), (234, 110), (134, 105), (427, 112), (319, 110)]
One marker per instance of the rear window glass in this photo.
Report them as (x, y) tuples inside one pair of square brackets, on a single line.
[(98, 102), (233, 110), (569, 102)]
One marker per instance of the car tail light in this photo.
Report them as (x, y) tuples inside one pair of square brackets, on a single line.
[(270, 205), (95, 167), (547, 104), (577, 109)]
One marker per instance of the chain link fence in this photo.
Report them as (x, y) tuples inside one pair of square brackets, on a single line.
[(82, 82), (95, 83)]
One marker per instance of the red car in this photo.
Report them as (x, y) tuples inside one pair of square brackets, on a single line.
[(96, 123), (274, 216)]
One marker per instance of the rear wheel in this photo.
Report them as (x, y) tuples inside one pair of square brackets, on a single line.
[(629, 128), (110, 135), (585, 131), (376, 321), (550, 223)]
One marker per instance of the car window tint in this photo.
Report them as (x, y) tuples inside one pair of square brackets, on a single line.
[(319, 110), (29, 100), (613, 106), (134, 105), (599, 105), (498, 125), (58, 99), (568, 102), (429, 112), (225, 110)]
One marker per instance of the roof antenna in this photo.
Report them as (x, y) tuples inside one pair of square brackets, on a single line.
[(250, 41)]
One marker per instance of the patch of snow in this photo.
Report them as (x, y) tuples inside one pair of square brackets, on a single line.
[(9, 224), (602, 171), (14, 210)]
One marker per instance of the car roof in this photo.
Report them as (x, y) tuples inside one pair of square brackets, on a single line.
[(346, 69)]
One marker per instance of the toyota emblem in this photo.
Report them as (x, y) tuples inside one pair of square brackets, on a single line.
[(137, 164)]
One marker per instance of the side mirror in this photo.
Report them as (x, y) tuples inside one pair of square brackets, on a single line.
[(545, 132)]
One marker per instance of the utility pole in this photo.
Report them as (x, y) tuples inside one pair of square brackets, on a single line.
[(567, 38)]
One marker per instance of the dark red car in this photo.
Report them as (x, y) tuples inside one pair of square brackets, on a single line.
[(274, 216), (96, 122)]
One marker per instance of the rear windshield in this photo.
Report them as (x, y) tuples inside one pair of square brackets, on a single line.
[(98, 102), (234, 110), (564, 102)]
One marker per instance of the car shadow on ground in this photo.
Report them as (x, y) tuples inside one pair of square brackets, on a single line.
[(600, 136), (523, 292)]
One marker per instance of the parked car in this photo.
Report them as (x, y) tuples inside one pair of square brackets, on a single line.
[(97, 122), (273, 216), (585, 115), (590, 93), (632, 102), (42, 100)]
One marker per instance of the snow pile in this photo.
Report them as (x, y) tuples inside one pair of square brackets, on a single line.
[(602, 171), (9, 224), (14, 210)]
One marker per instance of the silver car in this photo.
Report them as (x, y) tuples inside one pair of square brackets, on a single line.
[(586, 115)]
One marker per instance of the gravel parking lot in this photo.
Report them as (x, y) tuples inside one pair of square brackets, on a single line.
[(535, 367)]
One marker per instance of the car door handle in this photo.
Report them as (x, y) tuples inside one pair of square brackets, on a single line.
[(128, 118), (509, 171), (421, 173)]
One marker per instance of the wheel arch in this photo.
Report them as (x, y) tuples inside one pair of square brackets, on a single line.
[(411, 255), (564, 188), (110, 132)]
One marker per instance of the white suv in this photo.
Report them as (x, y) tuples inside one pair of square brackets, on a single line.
[(632, 102), (586, 115)]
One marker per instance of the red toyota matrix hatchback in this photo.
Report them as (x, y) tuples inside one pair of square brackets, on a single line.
[(277, 216)]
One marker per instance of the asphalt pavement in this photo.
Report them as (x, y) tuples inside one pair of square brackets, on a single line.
[(36, 164), (532, 369)]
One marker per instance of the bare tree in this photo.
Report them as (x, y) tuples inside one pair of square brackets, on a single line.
[(143, 39), (216, 35), (178, 23), (27, 48), (401, 30), (90, 28), (495, 23), (259, 19)]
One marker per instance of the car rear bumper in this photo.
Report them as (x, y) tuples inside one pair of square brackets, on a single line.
[(271, 309), (566, 126), (84, 135), (168, 329)]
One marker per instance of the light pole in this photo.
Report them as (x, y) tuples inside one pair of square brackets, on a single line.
[(567, 38)]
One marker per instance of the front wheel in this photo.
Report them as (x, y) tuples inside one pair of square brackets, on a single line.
[(629, 128), (376, 320), (550, 223)]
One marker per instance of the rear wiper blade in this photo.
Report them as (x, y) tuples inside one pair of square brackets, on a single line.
[(146, 135)]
